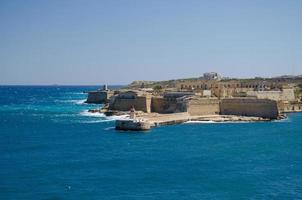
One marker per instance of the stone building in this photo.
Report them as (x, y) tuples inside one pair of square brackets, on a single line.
[(124, 101), (229, 88), (211, 76), (168, 102), (286, 106), (99, 96), (279, 95)]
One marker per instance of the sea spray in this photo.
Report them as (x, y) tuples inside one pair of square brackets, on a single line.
[(102, 115)]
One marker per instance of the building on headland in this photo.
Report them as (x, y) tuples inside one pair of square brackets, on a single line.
[(277, 95), (194, 105), (125, 100), (211, 76), (99, 96), (146, 102), (286, 106), (209, 95)]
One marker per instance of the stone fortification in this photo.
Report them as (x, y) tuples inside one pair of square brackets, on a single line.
[(249, 107), (175, 95), (139, 103), (281, 95), (160, 104), (195, 105), (124, 101), (286, 106), (199, 106), (168, 102), (99, 96)]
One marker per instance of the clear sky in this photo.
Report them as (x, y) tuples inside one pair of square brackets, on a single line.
[(115, 42)]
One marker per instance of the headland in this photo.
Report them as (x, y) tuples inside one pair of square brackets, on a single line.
[(207, 98)]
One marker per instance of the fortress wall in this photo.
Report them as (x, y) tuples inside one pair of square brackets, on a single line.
[(162, 105), (98, 96), (284, 95), (249, 107), (158, 104), (148, 104), (289, 107), (203, 107), (139, 103)]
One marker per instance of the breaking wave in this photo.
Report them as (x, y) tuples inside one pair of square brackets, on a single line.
[(90, 114), (73, 101), (79, 102), (109, 128), (282, 120), (213, 122), (200, 122), (102, 117)]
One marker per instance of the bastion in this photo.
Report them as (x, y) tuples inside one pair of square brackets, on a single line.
[(206, 99)]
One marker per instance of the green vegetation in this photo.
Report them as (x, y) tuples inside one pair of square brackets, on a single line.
[(157, 87), (298, 91)]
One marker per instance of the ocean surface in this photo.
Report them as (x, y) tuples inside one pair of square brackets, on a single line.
[(52, 148)]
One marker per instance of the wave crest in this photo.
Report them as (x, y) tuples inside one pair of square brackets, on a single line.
[(103, 117), (73, 101)]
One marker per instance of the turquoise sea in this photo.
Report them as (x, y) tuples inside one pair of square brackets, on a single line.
[(51, 148)]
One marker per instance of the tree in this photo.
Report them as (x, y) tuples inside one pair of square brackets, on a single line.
[(157, 87)]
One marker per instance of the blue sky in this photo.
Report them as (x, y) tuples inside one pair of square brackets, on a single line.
[(115, 42)]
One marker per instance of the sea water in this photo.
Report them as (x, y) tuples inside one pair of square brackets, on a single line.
[(52, 148)]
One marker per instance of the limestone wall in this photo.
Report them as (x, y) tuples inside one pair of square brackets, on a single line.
[(98, 96), (163, 105), (283, 95), (141, 103), (249, 107), (158, 104), (285, 106), (203, 106)]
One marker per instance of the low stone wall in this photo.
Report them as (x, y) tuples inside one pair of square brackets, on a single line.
[(141, 103), (249, 107)]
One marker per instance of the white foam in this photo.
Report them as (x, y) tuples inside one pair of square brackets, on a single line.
[(118, 117), (213, 122), (79, 102), (77, 93), (103, 116), (109, 128), (73, 101), (282, 120), (91, 114), (94, 121), (200, 122)]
